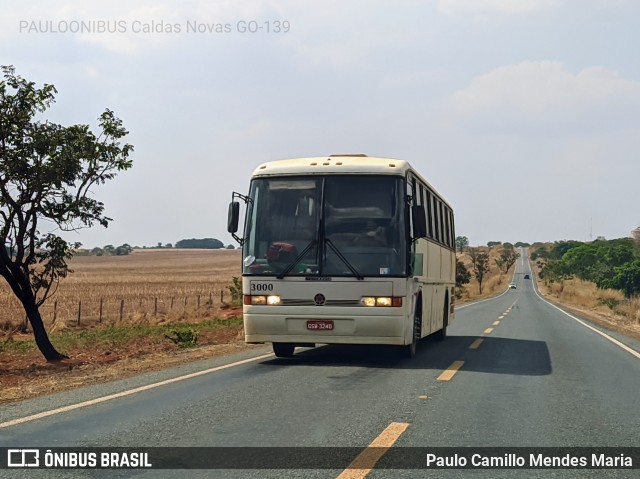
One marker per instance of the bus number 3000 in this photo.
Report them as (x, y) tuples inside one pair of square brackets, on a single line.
[(261, 287)]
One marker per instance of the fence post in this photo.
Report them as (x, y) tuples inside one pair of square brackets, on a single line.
[(100, 320), (221, 296), (79, 311), (155, 307), (198, 301), (121, 308), (185, 302), (171, 302), (210, 299)]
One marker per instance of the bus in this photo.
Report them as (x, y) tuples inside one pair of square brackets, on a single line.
[(344, 249)]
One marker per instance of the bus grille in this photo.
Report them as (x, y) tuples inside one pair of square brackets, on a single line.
[(329, 302)]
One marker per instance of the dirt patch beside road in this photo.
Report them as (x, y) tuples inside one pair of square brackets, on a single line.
[(25, 374)]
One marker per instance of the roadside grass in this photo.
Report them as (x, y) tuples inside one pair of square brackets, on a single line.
[(606, 307), (584, 294), (118, 336), (631, 309), (17, 347)]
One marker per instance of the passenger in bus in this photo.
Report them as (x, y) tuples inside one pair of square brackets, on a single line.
[(372, 236)]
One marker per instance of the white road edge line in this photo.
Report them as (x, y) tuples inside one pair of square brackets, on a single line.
[(128, 392), (595, 330)]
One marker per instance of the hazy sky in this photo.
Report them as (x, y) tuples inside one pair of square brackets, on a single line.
[(524, 114)]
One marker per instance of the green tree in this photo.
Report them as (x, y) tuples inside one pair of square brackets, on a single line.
[(561, 247), (507, 258), (462, 274), (605, 263), (462, 242), (626, 278), (202, 243), (541, 252), (480, 265), (48, 173), (596, 261), (123, 250)]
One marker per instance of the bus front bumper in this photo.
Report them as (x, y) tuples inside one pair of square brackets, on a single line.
[(377, 329)]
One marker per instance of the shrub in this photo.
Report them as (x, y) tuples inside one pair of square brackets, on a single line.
[(236, 291), (611, 302), (184, 337)]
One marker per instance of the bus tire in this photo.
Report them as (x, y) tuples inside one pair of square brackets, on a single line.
[(412, 348), (283, 350), (442, 334)]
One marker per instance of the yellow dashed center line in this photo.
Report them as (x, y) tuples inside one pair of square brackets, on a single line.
[(367, 459), (450, 371), (495, 323), (501, 317), (476, 344), (488, 331), (423, 397)]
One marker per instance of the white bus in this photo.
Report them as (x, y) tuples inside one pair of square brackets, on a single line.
[(344, 249)]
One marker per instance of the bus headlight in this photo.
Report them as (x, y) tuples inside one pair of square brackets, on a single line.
[(368, 301), (273, 300), (381, 301), (258, 300)]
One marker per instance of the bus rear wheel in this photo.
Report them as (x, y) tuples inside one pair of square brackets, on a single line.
[(283, 350)]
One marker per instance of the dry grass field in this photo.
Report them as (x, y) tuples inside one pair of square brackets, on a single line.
[(164, 283)]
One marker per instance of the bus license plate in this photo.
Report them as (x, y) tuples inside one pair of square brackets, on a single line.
[(320, 325)]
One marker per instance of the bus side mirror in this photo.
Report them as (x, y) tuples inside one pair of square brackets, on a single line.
[(419, 220), (233, 217)]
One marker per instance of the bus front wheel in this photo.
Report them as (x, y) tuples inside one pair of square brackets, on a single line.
[(442, 334), (412, 348), (283, 350)]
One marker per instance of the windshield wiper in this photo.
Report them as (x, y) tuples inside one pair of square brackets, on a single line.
[(293, 264), (327, 241)]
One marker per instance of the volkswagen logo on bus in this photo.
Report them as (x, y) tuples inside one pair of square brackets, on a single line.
[(319, 299)]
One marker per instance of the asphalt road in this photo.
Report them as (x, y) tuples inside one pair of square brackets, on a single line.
[(537, 378)]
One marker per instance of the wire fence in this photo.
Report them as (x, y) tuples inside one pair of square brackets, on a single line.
[(96, 310)]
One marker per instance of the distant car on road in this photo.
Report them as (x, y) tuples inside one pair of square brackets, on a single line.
[(512, 285), (526, 276)]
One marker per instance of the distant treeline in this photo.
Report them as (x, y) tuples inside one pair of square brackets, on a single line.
[(613, 264), (125, 249), (203, 243)]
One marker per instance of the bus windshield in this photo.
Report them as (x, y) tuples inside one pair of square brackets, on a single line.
[(326, 226)]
